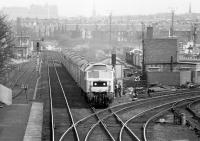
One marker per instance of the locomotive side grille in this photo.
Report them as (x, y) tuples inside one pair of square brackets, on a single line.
[(99, 84)]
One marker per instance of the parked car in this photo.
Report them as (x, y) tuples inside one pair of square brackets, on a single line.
[(189, 85), (156, 89), (192, 85)]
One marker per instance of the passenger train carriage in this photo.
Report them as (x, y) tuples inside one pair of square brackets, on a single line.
[(96, 80)]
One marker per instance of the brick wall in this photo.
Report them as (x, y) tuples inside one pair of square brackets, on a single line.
[(166, 78), (160, 50)]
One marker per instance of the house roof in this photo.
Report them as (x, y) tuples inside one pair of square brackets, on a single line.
[(119, 61)]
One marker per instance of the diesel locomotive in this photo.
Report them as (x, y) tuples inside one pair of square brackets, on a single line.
[(96, 80)]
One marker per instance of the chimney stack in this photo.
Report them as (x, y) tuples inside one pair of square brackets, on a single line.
[(149, 32), (171, 30)]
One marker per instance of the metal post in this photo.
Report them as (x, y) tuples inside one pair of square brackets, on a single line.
[(25, 90), (183, 119)]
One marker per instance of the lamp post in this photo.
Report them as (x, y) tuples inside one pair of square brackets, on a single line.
[(25, 88)]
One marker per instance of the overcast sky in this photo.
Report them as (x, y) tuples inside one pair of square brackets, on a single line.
[(104, 7)]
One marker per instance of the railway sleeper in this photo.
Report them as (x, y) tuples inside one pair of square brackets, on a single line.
[(194, 114)]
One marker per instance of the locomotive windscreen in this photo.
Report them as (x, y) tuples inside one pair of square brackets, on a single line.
[(93, 74), (105, 74), (100, 74), (98, 67)]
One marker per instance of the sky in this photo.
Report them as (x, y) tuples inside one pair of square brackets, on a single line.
[(69, 8)]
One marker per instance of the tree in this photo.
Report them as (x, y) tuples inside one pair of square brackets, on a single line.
[(6, 43)]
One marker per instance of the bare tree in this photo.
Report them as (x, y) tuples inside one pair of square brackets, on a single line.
[(6, 43)]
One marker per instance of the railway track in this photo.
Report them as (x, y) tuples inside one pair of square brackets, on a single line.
[(19, 71), (59, 104), (166, 92), (27, 78), (181, 117), (22, 81), (88, 124), (111, 123), (118, 120)]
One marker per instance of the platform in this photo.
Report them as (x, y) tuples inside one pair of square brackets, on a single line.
[(13, 121), (20, 122), (34, 126)]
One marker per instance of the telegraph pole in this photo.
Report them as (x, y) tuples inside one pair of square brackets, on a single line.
[(171, 33), (194, 34), (113, 51), (110, 26)]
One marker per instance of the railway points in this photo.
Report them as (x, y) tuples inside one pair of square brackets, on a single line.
[(171, 121)]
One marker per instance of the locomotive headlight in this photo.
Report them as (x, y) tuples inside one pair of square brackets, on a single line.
[(95, 84), (104, 84)]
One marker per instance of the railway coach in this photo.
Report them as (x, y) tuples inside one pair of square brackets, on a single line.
[(96, 80)]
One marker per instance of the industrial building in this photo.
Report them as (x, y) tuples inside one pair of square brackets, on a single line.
[(161, 62)]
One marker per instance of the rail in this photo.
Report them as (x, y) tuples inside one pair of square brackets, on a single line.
[(192, 111), (139, 115), (99, 121), (70, 113), (160, 113), (121, 104), (116, 116), (51, 108), (27, 81)]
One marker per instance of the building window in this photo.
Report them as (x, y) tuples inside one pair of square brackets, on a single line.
[(154, 69)]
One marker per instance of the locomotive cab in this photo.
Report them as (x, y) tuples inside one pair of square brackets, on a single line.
[(100, 84)]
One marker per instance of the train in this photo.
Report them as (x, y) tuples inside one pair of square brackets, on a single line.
[(96, 80), (134, 57)]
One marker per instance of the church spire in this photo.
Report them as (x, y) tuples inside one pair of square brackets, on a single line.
[(190, 9)]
